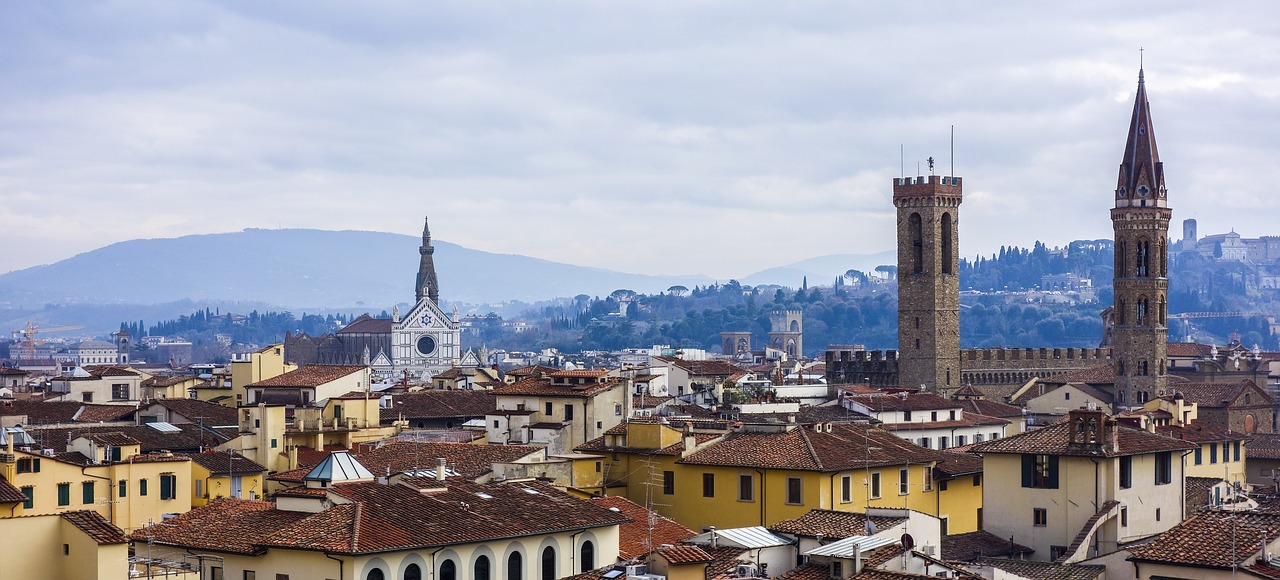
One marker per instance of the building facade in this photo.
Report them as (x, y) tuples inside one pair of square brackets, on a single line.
[(928, 281)]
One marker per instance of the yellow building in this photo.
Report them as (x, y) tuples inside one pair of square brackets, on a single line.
[(73, 544), (345, 524), (760, 474), (104, 473), (219, 474), (254, 367), (170, 387), (1218, 454)]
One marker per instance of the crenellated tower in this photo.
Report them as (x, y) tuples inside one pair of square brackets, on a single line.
[(1140, 220), (928, 282), (427, 284)]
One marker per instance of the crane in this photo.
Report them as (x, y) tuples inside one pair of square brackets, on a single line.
[(26, 337)]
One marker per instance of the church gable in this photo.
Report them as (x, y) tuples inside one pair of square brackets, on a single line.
[(426, 315)]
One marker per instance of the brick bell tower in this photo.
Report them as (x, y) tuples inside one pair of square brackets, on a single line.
[(928, 282), (1140, 220)]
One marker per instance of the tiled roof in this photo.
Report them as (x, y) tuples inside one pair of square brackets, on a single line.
[(231, 525), (831, 524), (648, 401), (189, 438), (597, 445), (957, 464), (685, 554), (1045, 570), (905, 402), (9, 493), (966, 420), (110, 371), (846, 446), (1188, 349), (807, 572), (167, 381), (114, 438), (1054, 440), (41, 412), (544, 388), (968, 391), (225, 463), (468, 460), (584, 373), (1263, 446), (104, 413), (1212, 539), (703, 368), (310, 376), (97, 527), (1217, 395), (1197, 492), (990, 408), (441, 404), (634, 536), (974, 545), (366, 324), (1198, 432), (198, 411), (531, 371)]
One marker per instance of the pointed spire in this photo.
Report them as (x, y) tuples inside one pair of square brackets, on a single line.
[(1141, 180), (427, 284)]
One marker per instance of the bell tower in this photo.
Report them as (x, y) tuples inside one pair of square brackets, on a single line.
[(427, 284), (1140, 220), (928, 282)]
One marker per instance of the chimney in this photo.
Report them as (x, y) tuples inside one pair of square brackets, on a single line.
[(440, 463), (293, 457)]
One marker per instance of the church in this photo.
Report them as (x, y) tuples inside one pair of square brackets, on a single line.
[(420, 343)]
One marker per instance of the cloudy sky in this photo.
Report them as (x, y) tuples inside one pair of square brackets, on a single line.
[(690, 137)]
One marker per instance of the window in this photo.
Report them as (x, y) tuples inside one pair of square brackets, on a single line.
[(903, 478), (708, 485), (928, 478), (64, 494), (120, 392), (1213, 453), (794, 497), (568, 412), (942, 443), (668, 483), (481, 571), (548, 563), (1040, 471), (115, 454), (1164, 470), (933, 415), (215, 572), (960, 440), (1157, 514), (86, 397), (168, 486), (906, 415), (1199, 455), (1226, 451), (29, 465), (598, 466), (875, 484), (253, 574), (448, 570), (915, 234), (952, 416), (30, 502), (1124, 517), (1236, 450), (1126, 472), (942, 485), (977, 479), (86, 492), (946, 249), (746, 488), (273, 443), (924, 442), (411, 572), (515, 566), (977, 437), (199, 487), (1039, 517), (550, 410), (846, 489), (142, 487), (1056, 552), (588, 556)]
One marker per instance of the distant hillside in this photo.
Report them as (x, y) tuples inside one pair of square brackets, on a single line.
[(305, 269)]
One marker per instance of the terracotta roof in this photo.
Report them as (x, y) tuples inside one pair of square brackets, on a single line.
[(1045, 570), (975, 545), (957, 464), (531, 371), (167, 381), (104, 413), (41, 412), (847, 446), (704, 368), (113, 438), (230, 525), (544, 388), (189, 437), (905, 402), (968, 391), (110, 371), (366, 324), (97, 527), (1218, 395), (648, 401), (807, 572), (634, 536), (685, 554), (1198, 432), (990, 408), (1263, 446), (224, 463), (585, 373), (310, 376), (468, 460), (597, 445), (966, 420), (831, 524), (197, 411), (9, 493), (1054, 440), (1188, 349), (440, 404), (1196, 491), (1211, 539), (452, 373)]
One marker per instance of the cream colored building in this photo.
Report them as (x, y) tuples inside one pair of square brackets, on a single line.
[(561, 410), (1082, 487)]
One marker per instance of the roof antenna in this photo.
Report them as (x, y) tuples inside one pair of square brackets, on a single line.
[(902, 160), (953, 153)]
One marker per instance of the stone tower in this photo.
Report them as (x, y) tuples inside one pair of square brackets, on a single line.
[(928, 282), (1140, 220), (427, 284), (787, 332)]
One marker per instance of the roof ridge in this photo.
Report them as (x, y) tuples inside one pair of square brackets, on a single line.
[(804, 435)]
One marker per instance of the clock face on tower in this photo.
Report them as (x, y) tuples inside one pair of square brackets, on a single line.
[(426, 345)]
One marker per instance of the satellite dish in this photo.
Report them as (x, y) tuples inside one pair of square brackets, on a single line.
[(908, 542)]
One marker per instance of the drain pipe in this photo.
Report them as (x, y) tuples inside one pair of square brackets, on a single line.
[(341, 569)]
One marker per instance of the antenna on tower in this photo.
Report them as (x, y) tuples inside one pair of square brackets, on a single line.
[(953, 153), (902, 160)]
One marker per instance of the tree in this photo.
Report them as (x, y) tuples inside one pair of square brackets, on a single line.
[(677, 290)]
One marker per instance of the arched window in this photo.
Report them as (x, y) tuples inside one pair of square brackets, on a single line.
[(413, 572), (1122, 258), (515, 567), (1162, 307), (548, 563), (1142, 312), (1142, 259), (448, 570), (375, 574), (1144, 368), (914, 232), (946, 243), (482, 569), (1121, 305), (588, 556)]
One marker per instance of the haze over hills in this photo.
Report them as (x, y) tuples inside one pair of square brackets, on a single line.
[(296, 268)]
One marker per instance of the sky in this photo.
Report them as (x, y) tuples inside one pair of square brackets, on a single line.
[(691, 137)]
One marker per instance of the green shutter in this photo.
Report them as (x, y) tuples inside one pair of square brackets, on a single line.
[(64, 494), (86, 492), (1028, 470), (1053, 472), (142, 487), (166, 487)]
